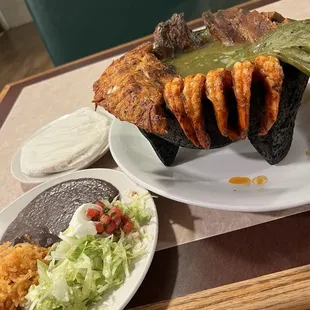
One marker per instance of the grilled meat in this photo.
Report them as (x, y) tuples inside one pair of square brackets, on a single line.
[(237, 26), (217, 82), (241, 74), (174, 99), (269, 70), (193, 91), (173, 36)]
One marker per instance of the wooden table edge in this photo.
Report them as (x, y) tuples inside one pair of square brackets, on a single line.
[(288, 289), (4, 91)]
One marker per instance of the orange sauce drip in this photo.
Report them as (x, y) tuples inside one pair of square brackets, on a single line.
[(240, 180), (260, 180)]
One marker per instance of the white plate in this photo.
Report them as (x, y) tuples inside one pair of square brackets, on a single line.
[(23, 178), (201, 177), (125, 292)]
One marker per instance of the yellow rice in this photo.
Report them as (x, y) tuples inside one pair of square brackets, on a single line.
[(18, 271)]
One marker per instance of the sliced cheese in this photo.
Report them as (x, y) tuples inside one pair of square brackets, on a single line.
[(67, 143)]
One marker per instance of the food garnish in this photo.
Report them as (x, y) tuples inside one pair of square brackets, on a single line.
[(109, 220)]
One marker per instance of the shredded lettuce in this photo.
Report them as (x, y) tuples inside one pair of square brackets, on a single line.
[(81, 270), (135, 208)]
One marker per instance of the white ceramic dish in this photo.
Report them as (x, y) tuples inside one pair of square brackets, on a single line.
[(23, 178), (201, 177), (125, 292)]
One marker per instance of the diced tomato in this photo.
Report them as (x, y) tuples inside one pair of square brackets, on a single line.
[(92, 213), (133, 193), (100, 204), (127, 228), (115, 211), (126, 218), (117, 220), (105, 219), (100, 214), (99, 228), (110, 228)]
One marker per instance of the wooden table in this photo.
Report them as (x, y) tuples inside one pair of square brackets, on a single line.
[(202, 254)]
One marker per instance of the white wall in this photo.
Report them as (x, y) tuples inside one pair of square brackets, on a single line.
[(13, 13)]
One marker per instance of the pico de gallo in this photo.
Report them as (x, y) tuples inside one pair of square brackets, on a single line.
[(109, 220)]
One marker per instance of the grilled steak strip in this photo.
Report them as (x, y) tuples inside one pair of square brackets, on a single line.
[(173, 36)]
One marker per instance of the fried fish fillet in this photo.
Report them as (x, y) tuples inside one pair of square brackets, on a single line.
[(131, 88), (175, 102), (241, 74), (269, 70), (194, 86)]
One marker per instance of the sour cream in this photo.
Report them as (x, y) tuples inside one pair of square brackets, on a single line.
[(80, 224), (66, 143)]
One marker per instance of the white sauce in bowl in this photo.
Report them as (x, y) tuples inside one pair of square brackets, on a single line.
[(66, 143)]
